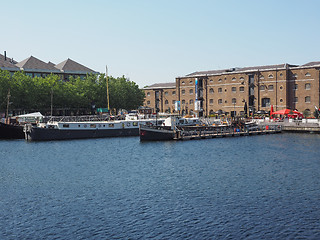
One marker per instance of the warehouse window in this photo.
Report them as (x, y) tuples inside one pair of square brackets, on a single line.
[(307, 99), (265, 102)]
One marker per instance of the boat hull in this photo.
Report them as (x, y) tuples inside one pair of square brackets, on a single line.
[(155, 134), (8, 131), (48, 134)]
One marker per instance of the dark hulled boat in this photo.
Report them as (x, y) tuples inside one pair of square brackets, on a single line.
[(84, 129), (10, 131), (169, 130), (156, 133)]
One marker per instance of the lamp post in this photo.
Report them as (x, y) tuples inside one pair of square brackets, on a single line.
[(51, 102), (107, 89)]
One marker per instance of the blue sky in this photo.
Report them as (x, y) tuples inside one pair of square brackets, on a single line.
[(153, 41)]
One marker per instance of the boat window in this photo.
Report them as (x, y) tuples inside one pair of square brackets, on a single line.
[(92, 125), (135, 124), (65, 125), (111, 125), (78, 125)]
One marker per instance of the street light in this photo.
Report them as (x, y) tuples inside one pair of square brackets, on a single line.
[(107, 89)]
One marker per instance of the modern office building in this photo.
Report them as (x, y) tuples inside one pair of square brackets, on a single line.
[(240, 91)]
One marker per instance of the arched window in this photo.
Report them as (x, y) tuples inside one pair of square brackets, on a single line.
[(166, 102), (234, 100), (191, 101), (270, 76), (211, 90), (220, 90), (307, 86), (191, 91), (308, 74), (211, 101)]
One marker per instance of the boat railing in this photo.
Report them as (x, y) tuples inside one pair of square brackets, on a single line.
[(85, 118)]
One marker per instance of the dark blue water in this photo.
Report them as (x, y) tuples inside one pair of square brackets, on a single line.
[(257, 187)]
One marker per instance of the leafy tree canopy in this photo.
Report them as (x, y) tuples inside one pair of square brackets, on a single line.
[(34, 94)]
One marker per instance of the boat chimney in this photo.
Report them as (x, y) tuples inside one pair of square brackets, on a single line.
[(5, 55)]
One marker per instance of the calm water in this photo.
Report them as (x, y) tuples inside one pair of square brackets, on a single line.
[(258, 187)]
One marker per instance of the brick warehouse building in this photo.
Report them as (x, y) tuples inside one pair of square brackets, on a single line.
[(229, 90)]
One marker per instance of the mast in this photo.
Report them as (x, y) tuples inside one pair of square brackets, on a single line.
[(8, 102), (107, 89)]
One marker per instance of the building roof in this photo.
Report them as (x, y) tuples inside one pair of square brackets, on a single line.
[(7, 63), (239, 70), (51, 64), (161, 86), (34, 64), (310, 64), (70, 66)]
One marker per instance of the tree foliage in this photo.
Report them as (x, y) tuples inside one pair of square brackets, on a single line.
[(34, 94)]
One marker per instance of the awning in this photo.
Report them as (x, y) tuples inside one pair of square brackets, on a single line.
[(35, 114)]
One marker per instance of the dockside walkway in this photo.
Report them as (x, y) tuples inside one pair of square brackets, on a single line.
[(292, 125), (206, 133)]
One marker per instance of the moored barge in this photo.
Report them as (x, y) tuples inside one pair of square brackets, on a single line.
[(67, 130)]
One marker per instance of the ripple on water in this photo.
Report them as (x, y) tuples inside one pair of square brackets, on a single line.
[(261, 187)]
